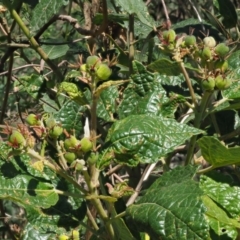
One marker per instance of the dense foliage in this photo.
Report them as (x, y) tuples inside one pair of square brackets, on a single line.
[(120, 119)]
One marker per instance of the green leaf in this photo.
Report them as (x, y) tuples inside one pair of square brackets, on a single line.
[(145, 139), (30, 84), (228, 12), (70, 116), (55, 51), (165, 66), (172, 208), (214, 152), (219, 220), (28, 191), (44, 10), (228, 197), (107, 103), (139, 8)]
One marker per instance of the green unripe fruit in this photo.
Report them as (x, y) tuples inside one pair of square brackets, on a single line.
[(221, 83), (209, 42), (32, 120), (92, 61), (78, 165), (63, 237), (50, 122), (16, 139), (169, 35), (206, 53), (190, 40), (55, 132), (70, 143), (75, 235), (103, 72), (86, 145), (70, 157), (221, 50), (93, 157), (208, 84), (83, 68), (221, 65)]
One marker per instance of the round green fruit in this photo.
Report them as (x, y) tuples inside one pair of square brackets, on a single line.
[(208, 84), (209, 42), (32, 120), (86, 144), (83, 68), (75, 235), (92, 62), (169, 35), (206, 53), (103, 72), (63, 237), (221, 83), (190, 40), (17, 139), (221, 50), (70, 157), (222, 65), (70, 143), (55, 132)]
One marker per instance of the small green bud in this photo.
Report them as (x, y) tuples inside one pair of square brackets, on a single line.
[(169, 35), (222, 65), (208, 84), (32, 120), (103, 72), (16, 139), (93, 157), (190, 40), (55, 132), (86, 144), (221, 83), (71, 143), (209, 42), (206, 53), (221, 50), (78, 164), (63, 237), (83, 68), (70, 157), (92, 62)]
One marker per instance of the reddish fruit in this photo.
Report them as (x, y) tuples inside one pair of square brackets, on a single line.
[(209, 42), (221, 50), (103, 72), (86, 145), (208, 84), (70, 157)]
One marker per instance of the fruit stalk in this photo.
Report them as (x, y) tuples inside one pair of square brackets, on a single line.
[(199, 112)]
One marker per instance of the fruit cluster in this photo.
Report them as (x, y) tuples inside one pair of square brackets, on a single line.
[(97, 69), (210, 57)]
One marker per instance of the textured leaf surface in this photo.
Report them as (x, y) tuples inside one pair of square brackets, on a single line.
[(44, 10), (219, 220), (27, 190), (107, 103), (56, 51), (144, 138), (228, 197), (144, 94), (70, 116), (172, 208), (139, 8), (216, 153)]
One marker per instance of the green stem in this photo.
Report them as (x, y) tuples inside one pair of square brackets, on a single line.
[(33, 41), (199, 111), (131, 42), (210, 168)]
